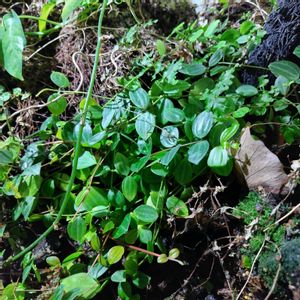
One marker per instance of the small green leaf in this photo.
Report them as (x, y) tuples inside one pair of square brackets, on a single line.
[(202, 124), (216, 58), (92, 197), (70, 6), (197, 152), (58, 106), (139, 98), (87, 286), (146, 213), (159, 170), (76, 229), (60, 79), (170, 154), (229, 132), (169, 136), (280, 105), (45, 11), (138, 165), (163, 258), (174, 253), (286, 69), (115, 254), (118, 276), (192, 69), (145, 235), (53, 261), (247, 90), (13, 43), (86, 160), (174, 115), (241, 112), (177, 207), (144, 125), (297, 51), (13, 291), (95, 242), (282, 84), (218, 157), (129, 188), (121, 164), (161, 47), (246, 26), (211, 29), (123, 228)]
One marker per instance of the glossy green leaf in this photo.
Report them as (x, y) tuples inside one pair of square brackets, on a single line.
[(169, 136), (246, 26), (247, 90), (297, 51), (202, 124), (145, 235), (192, 69), (86, 160), (138, 165), (70, 6), (13, 291), (129, 188), (212, 28), (53, 261), (174, 253), (174, 115), (118, 276), (115, 254), (286, 69), (95, 242), (218, 157), (159, 170), (96, 138), (121, 164), (163, 258), (13, 43), (197, 152), (60, 79), (229, 132), (90, 198), (146, 213), (241, 112), (86, 285), (161, 47), (216, 58), (77, 229), (282, 84), (45, 11), (58, 106), (123, 228), (144, 125), (139, 98), (177, 207), (170, 154)]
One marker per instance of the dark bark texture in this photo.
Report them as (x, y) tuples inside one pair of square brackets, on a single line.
[(283, 36)]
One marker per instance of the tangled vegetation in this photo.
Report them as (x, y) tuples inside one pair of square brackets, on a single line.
[(110, 177)]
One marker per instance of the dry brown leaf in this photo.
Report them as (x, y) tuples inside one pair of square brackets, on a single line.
[(259, 166)]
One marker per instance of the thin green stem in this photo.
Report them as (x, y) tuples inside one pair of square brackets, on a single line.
[(77, 146), (39, 19)]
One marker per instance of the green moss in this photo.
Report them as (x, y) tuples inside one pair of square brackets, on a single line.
[(252, 207)]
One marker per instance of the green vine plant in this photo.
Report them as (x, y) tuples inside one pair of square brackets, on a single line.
[(136, 160)]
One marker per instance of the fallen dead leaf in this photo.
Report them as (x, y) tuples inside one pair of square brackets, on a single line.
[(259, 167)]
